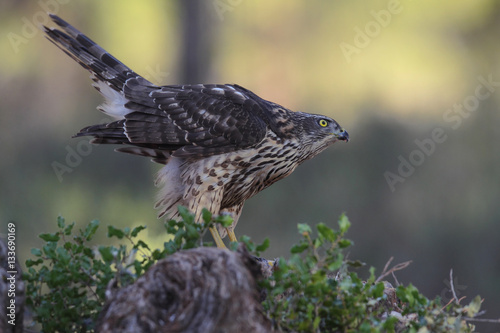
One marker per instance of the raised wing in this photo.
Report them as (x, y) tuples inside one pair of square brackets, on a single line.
[(184, 120)]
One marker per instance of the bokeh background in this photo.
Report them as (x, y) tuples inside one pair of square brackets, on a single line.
[(415, 83)]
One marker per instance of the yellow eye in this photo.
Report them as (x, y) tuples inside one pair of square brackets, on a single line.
[(323, 123)]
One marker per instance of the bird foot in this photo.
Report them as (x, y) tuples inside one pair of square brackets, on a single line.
[(231, 235), (218, 240)]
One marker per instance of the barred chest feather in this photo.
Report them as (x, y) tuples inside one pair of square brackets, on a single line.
[(224, 181)]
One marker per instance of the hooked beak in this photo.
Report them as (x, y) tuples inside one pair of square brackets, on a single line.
[(343, 135)]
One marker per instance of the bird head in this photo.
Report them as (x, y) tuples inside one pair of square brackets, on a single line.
[(319, 132)]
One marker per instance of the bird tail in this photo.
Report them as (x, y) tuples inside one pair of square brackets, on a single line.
[(114, 133), (108, 73), (88, 54)]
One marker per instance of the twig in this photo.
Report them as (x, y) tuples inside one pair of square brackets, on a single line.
[(451, 301), (395, 279), (496, 321), (453, 287), (396, 268), (386, 267), (479, 314)]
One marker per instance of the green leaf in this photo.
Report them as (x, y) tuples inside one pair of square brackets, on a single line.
[(299, 248), (233, 246), (31, 262), (311, 288), (337, 263), (141, 244), (36, 252), (107, 253), (170, 247), (69, 229), (264, 246), (172, 223), (49, 249), (63, 255), (136, 230), (60, 222), (389, 324), (50, 237), (316, 322), (372, 278), (355, 264), (318, 242), (326, 232), (248, 243), (225, 220), (192, 232), (171, 227), (186, 215), (91, 229), (343, 243), (474, 306), (378, 290), (304, 228), (365, 327), (88, 252), (206, 215), (344, 223), (115, 232), (157, 254)]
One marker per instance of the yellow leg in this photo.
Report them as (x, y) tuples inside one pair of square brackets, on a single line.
[(217, 238), (231, 235)]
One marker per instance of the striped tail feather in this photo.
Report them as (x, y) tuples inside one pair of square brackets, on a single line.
[(88, 54), (160, 156), (106, 133), (107, 72), (114, 133)]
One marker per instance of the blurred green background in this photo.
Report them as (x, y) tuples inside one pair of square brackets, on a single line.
[(415, 83)]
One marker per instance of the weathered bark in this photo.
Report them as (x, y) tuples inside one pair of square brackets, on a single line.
[(10, 284), (200, 290)]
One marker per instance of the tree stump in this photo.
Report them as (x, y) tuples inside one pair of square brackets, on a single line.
[(199, 290)]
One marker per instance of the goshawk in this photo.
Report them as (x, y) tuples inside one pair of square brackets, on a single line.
[(220, 143)]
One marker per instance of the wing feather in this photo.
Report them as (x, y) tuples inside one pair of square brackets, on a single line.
[(193, 122), (185, 120)]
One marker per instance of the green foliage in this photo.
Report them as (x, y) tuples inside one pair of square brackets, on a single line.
[(66, 283), (315, 290)]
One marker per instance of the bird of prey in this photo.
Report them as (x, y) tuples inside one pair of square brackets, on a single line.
[(220, 143)]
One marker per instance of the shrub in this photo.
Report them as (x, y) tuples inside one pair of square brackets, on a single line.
[(315, 290)]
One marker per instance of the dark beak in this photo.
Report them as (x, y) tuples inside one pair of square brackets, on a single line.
[(343, 135)]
